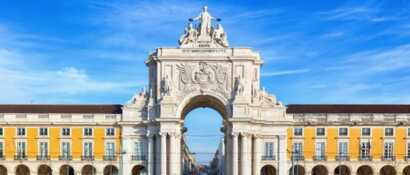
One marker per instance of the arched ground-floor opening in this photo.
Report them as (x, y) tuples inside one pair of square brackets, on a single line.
[(406, 170), (22, 170), (342, 170), (44, 170), (388, 170), (297, 170), (88, 170), (66, 170), (110, 170), (268, 170), (319, 170), (138, 170), (3, 170), (364, 170)]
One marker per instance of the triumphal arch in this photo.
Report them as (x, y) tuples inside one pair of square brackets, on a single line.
[(205, 72)]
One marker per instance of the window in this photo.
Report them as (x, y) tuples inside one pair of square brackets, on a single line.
[(388, 132), (1, 150), (366, 132), (297, 151), (88, 131), (365, 150), (21, 131), (66, 132), (110, 149), (65, 149), (1, 131), (43, 131), (268, 153), (21, 149), (320, 151), (343, 132), (298, 132), (109, 131), (138, 148), (320, 132), (43, 149), (88, 149), (408, 131), (388, 151), (342, 151), (408, 150)]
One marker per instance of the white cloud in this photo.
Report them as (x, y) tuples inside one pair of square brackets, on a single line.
[(284, 72)]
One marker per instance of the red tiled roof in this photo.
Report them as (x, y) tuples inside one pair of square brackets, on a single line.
[(43, 108), (348, 108)]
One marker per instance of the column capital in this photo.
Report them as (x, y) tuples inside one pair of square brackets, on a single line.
[(235, 134), (163, 133), (257, 136)]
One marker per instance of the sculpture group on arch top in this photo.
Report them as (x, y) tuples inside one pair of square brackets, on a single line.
[(202, 75)]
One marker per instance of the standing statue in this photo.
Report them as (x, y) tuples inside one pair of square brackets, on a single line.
[(239, 87), (165, 89), (204, 22)]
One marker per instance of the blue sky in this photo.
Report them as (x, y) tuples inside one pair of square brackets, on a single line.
[(83, 51)]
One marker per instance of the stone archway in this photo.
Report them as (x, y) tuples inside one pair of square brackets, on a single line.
[(268, 170), (66, 170), (388, 170), (44, 170), (22, 170), (319, 170), (138, 170), (88, 170), (342, 170), (365, 170), (297, 170), (110, 170), (3, 170), (406, 170)]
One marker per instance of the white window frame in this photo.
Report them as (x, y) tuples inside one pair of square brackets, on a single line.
[(294, 132), (107, 131), (40, 152), (324, 130), (347, 132), (62, 132), (62, 148), (86, 132), (23, 129), (392, 131), (361, 132), (39, 131)]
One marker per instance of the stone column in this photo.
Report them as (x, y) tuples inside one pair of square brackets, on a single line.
[(228, 155), (282, 162), (245, 155), (256, 154), (235, 154), (150, 154), (175, 154), (158, 155), (163, 153)]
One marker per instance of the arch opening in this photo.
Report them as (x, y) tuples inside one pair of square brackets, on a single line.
[(342, 170), (3, 170), (138, 170), (319, 170), (44, 170), (66, 170), (22, 170), (268, 170), (364, 170), (110, 170), (297, 170), (406, 170), (88, 170), (204, 101), (388, 170)]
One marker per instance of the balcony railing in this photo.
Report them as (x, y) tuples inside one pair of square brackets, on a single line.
[(138, 157), (43, 157), (66, 157), (270, 157), (342, 158), (388, 158), (110, 157), (319, 158), (298, 157), (20, 157), (365, 158), (87, 157)]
